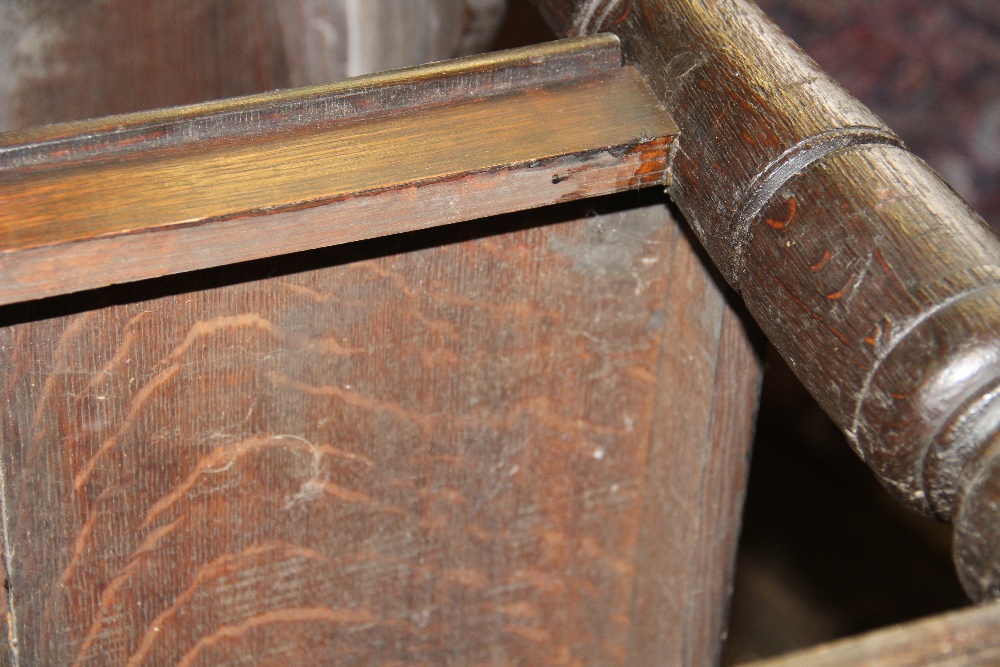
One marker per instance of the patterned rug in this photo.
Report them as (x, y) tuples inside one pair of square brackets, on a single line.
[(929, 68)]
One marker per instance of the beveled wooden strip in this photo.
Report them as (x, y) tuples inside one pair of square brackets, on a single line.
[(966, 638), (361, 97), (76, 226), (314, 165)]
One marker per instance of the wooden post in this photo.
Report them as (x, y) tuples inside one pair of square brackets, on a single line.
[(876, 282)]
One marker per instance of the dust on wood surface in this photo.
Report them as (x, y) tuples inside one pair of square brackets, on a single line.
[(436, 454)]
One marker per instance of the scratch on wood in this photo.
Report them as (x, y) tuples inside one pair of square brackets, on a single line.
[(793, 207), (813, 314), (881, 262), (815, 268), (874, 336), (834, 296)]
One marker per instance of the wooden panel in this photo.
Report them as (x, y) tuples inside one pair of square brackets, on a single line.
[(966, 638), (875, 281), (151, 194), (431, 448), (424, 456)]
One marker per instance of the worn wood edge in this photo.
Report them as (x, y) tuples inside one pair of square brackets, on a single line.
[(976, 549), (967, 637), (186, 185), (679, 612), (49, 251), (372, 95), (46, 271), (739, 374)]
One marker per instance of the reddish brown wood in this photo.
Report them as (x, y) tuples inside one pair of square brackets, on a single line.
[(681, 610), (875, 281), (432, 455), (133, 197)]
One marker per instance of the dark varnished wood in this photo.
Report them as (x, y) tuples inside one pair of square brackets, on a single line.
[(7, 620), (466, 446), (876, 282), (133, 197), (966, 638), (357, 98), (681, 611)]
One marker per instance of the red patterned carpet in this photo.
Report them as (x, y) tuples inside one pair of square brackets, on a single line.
[(930, 68)]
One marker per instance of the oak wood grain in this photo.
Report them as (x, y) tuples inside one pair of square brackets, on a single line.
[(475, 494), (707, 361), (874, 280), (433, 448), (146, 195)]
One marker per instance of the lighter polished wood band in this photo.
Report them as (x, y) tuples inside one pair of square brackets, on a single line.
[(157, 193)]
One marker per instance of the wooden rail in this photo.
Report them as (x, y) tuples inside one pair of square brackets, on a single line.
[(966, 638), (94, 203), (875, 281)]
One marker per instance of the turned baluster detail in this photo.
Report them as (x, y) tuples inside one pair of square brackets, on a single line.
[(876, 282)]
